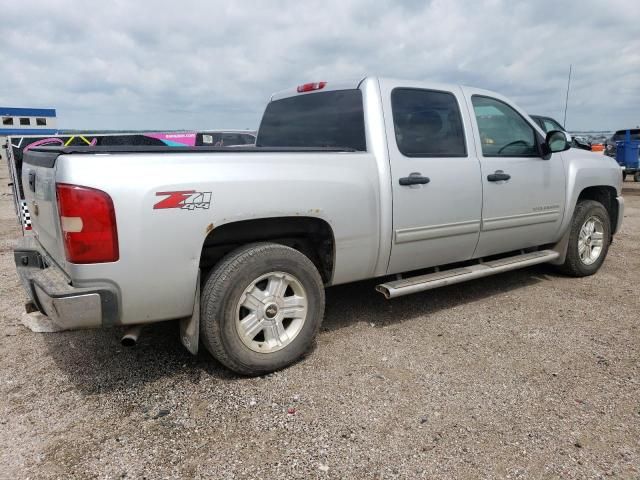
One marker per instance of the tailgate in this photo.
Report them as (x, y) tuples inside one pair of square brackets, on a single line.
[(22, 213), (38, 180)]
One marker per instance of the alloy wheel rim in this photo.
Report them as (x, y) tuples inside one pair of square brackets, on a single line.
[(271, 312), (591, 240)]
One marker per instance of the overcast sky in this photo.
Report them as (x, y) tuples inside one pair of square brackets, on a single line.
[(213, 64)]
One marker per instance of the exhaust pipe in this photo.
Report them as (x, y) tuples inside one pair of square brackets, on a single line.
[(130, 337)]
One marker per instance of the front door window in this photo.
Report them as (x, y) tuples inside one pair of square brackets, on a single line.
[(503, 131)]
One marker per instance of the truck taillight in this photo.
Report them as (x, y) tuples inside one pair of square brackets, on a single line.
[(88, 223), (310, 87)]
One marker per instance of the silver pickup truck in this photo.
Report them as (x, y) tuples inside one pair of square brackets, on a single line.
[(419, 184)]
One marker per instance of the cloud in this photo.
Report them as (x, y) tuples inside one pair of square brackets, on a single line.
[(190, 64)]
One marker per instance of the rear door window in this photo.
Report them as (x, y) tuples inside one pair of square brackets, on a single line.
[(323, 119), (427, 123)]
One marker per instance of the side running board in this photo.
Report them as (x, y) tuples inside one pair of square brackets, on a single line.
[(420, 283)]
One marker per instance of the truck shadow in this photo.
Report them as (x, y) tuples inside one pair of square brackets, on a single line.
[(347, 304), (94, 361)]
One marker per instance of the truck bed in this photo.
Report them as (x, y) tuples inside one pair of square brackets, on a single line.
[(46, 156)]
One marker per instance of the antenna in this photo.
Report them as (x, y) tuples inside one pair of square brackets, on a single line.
[(566, 102)]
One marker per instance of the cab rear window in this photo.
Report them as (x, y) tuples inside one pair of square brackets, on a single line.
[(324, 119)]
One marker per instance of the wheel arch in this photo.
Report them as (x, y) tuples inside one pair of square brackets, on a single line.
[(311, 236), (606, 195)]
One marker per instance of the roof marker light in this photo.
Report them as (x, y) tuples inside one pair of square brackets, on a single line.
[(310, 87)]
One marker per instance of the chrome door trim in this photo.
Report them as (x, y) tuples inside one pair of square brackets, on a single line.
[(520, 220), (406, 235)]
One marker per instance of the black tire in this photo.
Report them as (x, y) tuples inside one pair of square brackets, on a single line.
[(223, 290), (624, 176), (636, 177), (573, 264)]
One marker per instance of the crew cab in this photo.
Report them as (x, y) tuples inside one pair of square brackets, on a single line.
[(415, 183)]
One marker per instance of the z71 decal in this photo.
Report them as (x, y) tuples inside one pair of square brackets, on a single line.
[(184, 199)]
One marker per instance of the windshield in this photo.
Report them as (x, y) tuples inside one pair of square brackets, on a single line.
[(551, 124), (326, 119)]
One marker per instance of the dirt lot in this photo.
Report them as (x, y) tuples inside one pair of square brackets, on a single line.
[(524, 375)]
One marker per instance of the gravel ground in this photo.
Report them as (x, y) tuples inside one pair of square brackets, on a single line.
[(524, 375)]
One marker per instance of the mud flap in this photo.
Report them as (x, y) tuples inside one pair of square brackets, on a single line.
[(190, 326), (561, 247)]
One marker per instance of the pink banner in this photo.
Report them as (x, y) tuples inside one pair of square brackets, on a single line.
[(187, 139)]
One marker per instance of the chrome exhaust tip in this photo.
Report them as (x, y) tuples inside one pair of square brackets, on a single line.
[(130, 337)]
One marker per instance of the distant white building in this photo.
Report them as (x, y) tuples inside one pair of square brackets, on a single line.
[(27, 121)]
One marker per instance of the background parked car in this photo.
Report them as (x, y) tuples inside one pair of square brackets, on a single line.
[(610, 147), (548, 124)]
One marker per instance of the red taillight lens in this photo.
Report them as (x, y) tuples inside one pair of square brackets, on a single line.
[(88, 223), (309, 87)]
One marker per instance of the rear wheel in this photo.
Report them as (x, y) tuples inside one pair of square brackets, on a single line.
[(636, 177), (261, 308), (588, 239)]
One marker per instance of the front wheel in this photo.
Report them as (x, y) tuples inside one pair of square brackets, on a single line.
[(589, 239), (261, 308)]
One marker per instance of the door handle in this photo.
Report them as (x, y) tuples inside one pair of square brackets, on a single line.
[(414, 178), (498, 176)]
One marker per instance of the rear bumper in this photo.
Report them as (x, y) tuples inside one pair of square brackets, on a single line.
[(52, 293), (620, 213)]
